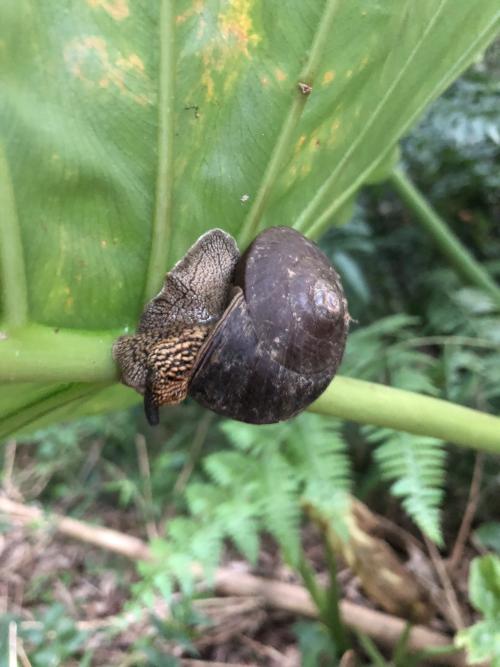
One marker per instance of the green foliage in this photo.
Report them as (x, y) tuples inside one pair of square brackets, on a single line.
[(66, 640), (482, 640), (315, 644), (459, 139), (416, 466), (488, 535), (258, 485), (180, 629)]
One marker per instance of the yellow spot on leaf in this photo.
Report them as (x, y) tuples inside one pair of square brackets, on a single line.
[(89, 60), (314, 143), (328, 77), (264, 81), (236, 25), (305, 169), (226, 52), (117, 9), (207, 79), (334, 128), (196, 8), (348, 74), (364, 63), (300, 143), (104, 243), (280, 74)]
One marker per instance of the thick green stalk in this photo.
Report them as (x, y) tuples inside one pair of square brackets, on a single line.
[(377, 404), (42, 354), (451, 247), (162, 223), (13, 276), (282, 146)]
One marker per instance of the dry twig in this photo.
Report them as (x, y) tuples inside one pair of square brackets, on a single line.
[(145, 470), (452, 610), (468, 517), (194, 454)]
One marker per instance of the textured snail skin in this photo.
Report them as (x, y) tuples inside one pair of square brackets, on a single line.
[(281, 339), (158, 360)]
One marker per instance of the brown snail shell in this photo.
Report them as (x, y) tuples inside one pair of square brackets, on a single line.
[(256, 338), (281, 340)]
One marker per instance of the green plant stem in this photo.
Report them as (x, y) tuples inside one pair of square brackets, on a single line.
[(371, 650), (283, 143), (42, 354), (13, 275), (451, 247), (160, 238), (400, 655), (379, 405), (332, 599), (309, 579), (328, 609)]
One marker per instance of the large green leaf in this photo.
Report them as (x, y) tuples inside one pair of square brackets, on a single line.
[(130, 127)]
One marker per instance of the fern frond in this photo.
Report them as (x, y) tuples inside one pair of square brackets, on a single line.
[(416, 464), (249, 437), (322, 466), (241, 522), (368, 348), (229, 468), (234, 508), (279, 502)]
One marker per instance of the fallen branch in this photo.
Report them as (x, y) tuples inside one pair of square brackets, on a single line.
[(381, 627)]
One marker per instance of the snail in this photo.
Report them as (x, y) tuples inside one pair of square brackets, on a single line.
[(256, 337)]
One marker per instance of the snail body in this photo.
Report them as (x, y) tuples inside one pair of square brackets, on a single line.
[(258, 341)]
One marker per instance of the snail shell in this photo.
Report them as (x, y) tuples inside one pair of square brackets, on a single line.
[(256, 338), (281, 340)]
